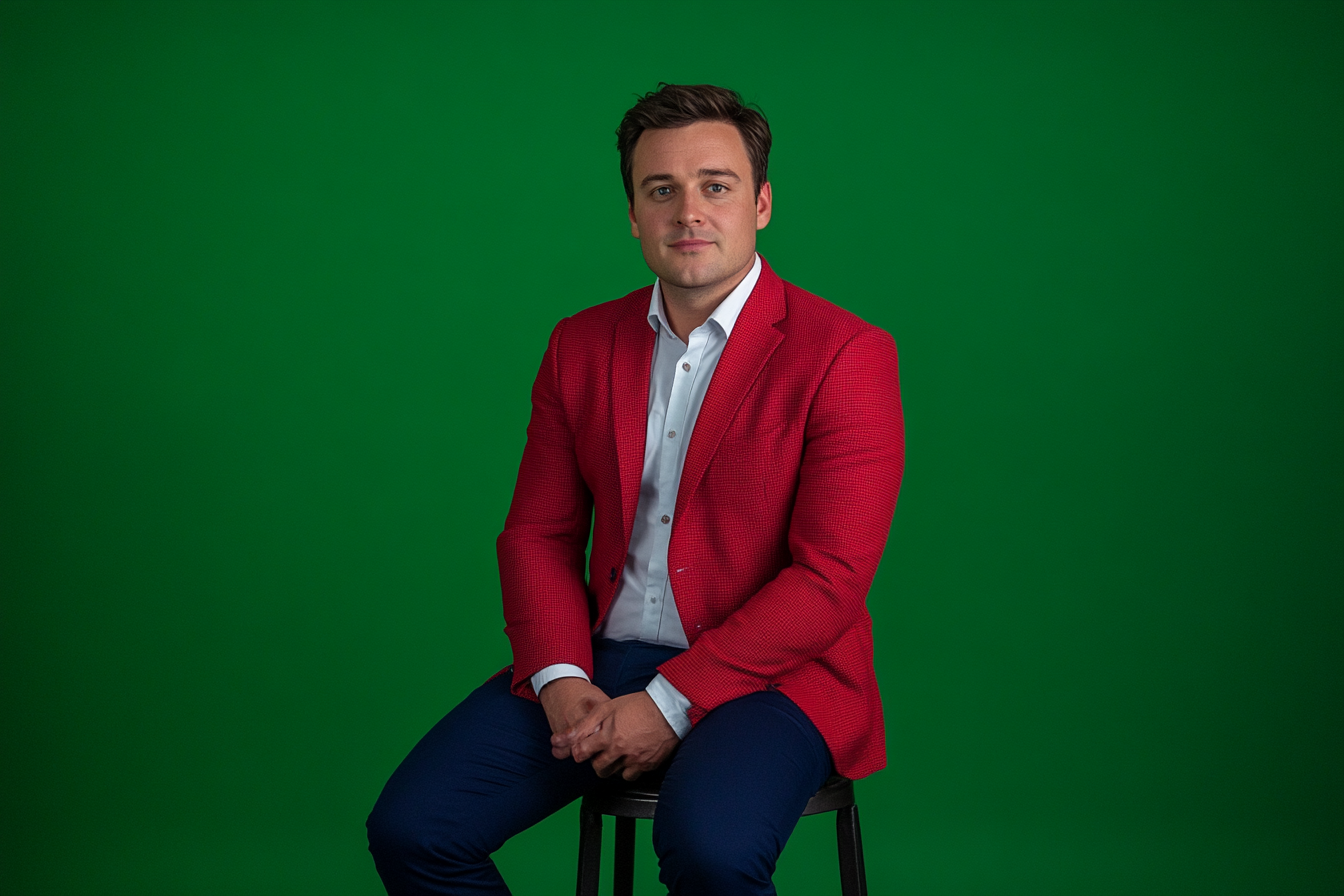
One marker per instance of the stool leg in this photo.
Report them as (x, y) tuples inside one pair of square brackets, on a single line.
[(853, 879), (624, 882), (590, 851)]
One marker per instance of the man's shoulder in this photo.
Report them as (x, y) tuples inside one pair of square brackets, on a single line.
[(802, 314), (819, 321), (598, 320)]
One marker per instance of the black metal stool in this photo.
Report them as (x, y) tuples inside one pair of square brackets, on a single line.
[(639, 799)]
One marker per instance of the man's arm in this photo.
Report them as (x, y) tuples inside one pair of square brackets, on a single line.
[(541, 550), (853, 458)]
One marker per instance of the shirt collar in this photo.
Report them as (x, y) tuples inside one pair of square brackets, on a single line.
[(725, 315)]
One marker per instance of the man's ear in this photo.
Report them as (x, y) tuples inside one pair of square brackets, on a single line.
[(634, 225), (762, 206)]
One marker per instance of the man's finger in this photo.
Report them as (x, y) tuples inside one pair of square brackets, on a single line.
[(605, 767), (586, 728), (574, 733), (587, 747), (585, 750)]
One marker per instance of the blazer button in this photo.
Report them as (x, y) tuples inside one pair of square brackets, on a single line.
[(613, 574)]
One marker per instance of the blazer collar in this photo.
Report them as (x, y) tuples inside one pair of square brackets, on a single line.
[(753, 341)]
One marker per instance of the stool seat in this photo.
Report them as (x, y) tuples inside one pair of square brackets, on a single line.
[(627, 801)]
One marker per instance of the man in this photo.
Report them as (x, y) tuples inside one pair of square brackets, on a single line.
[(737, 445)]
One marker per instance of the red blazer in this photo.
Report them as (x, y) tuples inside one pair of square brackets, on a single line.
[(782, 513)]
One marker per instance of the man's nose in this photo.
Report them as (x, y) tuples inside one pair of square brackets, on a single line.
[(690, 213)]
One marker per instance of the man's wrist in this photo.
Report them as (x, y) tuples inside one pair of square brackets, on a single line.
[(556, 670), (672, 703)]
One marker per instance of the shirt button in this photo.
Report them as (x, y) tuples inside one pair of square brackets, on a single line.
[(672, 434), (653, 600), (685, 366), (666, 519)]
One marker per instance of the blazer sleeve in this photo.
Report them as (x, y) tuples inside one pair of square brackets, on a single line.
[(853, 458), (541, 550)]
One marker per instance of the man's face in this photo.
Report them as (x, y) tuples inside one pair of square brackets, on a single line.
[(695, 213)]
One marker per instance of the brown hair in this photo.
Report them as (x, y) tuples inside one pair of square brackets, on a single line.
[(677, 105)]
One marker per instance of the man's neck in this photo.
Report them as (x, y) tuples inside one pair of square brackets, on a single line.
[(687, 309)]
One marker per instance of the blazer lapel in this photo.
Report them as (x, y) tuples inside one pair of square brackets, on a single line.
[(632, 358), (753, 340)]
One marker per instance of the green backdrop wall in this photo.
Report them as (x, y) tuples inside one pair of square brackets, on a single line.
[(276, 277)]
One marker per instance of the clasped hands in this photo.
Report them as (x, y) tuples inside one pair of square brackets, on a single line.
[(627, 734)]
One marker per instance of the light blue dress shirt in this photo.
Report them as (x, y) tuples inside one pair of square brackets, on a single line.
[(644, 608)]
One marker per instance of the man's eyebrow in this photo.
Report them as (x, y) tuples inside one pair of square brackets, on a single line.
[(703, 172)]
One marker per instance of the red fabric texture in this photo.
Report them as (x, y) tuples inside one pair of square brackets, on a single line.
[(783, 510)]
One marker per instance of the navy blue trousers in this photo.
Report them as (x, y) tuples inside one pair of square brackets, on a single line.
[(732, 791)]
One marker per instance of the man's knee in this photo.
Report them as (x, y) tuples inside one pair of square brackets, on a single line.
[(710, 852), (391, 833), (401, 838)]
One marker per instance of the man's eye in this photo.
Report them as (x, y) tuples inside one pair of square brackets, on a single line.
[(717, 188), (663, 191)]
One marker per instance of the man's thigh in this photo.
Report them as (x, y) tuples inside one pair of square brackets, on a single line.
[(482, 774), (485, 773), (733, 793)]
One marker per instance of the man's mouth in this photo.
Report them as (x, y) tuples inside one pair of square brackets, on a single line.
[(691, 245)]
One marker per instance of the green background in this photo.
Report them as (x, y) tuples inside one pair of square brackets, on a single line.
[(276, 278)]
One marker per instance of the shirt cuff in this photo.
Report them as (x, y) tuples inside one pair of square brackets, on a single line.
[(554, 671), (672, 703)]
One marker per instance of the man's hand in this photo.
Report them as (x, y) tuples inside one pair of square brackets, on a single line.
[(627, 735), (567, 701)]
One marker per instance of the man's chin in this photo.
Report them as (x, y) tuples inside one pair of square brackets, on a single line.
[(692, 277)]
